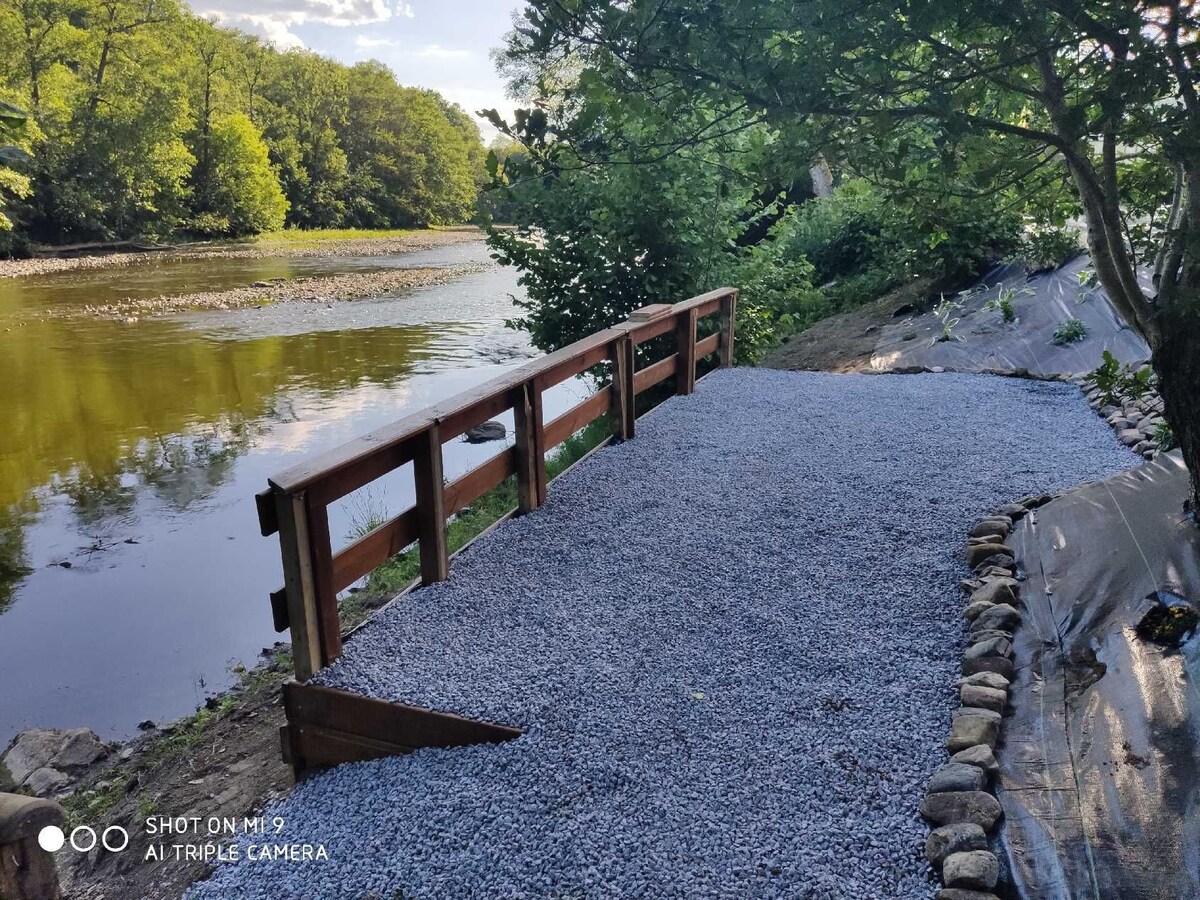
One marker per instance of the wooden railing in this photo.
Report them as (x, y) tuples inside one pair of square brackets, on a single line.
[(296, 504)]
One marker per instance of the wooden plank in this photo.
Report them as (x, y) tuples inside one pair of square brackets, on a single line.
[(624, 413), (685, 370), (530, 447), (651, 312), (264, 501), (705, 304), (431, 508), (463, 420), (327, 727), (728, 315), (708, 345), (653, 374), (320, 549), (374, 549), (470, 487), (579, 416), (279, 611), (571, 368), (298, 584), (643, 333)]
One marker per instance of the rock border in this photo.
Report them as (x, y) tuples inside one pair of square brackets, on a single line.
[(1135, 421), (959, 800)]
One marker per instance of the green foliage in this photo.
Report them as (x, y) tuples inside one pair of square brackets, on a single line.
[(1164, 437), (1120, 383), (1069, 332), (1004, 302), (148, 120), (245, 192), (1049, 248), (944, 313)]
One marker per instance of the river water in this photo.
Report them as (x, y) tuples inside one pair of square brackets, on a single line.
[(132, 573)]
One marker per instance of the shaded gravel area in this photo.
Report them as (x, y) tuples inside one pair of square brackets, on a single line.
[(733, 642)]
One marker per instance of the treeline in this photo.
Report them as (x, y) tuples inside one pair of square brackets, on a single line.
[(145, 120)]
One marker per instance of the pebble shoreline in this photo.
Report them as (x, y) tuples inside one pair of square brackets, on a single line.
[(733, 643)]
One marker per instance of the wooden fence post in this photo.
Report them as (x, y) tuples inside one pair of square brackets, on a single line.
[(685, 369), (431, 508), (27, 872), (530, 448), (624, 409), (329, 622), (728, 308), (298, 583)]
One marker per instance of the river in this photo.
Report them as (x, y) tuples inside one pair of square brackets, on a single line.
[(132, 573)]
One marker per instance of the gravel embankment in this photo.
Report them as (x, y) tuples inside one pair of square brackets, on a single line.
[(365, 246), (320, 289), (733, 642)]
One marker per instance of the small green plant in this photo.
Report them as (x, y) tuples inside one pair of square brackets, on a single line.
[(1164, 437), (909, 336), (1069, 332), (1003, 301), (1118, 383), (944, 312)]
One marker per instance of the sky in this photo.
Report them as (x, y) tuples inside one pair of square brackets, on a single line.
[(438, 44)]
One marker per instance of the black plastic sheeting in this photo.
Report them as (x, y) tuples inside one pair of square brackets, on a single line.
[(985, 342), (1100, 775)]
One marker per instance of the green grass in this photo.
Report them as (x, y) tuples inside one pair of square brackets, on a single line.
[(398, 573), (316, 235)]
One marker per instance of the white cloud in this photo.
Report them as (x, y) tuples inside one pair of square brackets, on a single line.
[(364, 42), (274, 19), (436, 51)]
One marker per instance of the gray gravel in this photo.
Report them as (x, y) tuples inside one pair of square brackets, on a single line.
[(733, 642)]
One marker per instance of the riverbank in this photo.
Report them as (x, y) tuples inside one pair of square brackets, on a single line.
[(289, 244), (323, 289)]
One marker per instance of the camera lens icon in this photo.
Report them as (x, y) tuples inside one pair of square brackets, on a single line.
[(114, 839)]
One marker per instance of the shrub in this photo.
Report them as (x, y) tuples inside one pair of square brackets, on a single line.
[(1069, 332), (1049, 248)]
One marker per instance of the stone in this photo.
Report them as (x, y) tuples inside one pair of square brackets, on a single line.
[(973, 869), (488, 431), (983, 697), (992, 646), (963, 894), (46, 781), (1034, 501), (60, 748), (977, 553), (957, 838), (974, 610), (972, 807), (985, 539), (988, 633), (956, 777), (992, 525), (1129, 437), (997, 664), (1002, 617), (980, 756), (1014, 511), (970, 731), (966, 711), (970, 585), (999, 590), (987, 679), (1005, 562), (987, 572)]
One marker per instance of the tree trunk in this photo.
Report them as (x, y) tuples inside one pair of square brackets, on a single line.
[(1177, 363)]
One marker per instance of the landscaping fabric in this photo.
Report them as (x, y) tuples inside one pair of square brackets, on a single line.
[(983, 341), (733, 643), (1100, 768)]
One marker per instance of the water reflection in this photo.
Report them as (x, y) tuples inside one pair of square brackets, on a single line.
[(131, 571)]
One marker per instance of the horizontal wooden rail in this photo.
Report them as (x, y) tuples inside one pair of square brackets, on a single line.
[(295, 505)]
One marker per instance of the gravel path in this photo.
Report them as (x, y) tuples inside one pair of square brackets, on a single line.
[(733, 643)]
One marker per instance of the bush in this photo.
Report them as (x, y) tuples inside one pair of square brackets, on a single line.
[(1069, 332), (1048, 248)]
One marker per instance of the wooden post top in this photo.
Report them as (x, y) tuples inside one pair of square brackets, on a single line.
[(651, 312)]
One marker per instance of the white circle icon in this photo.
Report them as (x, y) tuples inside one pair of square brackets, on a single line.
[(85, 832), (51, 838), (121, 831)]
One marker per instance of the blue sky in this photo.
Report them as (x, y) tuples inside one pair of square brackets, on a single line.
[(439, 44)]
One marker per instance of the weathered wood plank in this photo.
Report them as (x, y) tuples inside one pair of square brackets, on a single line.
[(298, 584), (653, 374), (651, 312), (327, 727), (685, 370), (329, 626), (708, 345), (652, 329), (468, 488), (728, 316), (624, 415), (431, 508), (530, 447), (579, 416), (264, 501), (374, 549)]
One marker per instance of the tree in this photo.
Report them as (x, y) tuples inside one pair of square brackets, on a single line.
[(245, 192), (1093, 88)]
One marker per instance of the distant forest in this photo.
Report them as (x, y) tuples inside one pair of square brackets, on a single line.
[(146, 121)]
